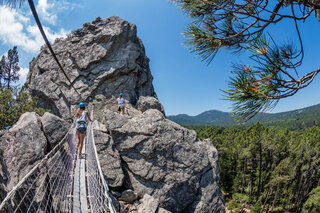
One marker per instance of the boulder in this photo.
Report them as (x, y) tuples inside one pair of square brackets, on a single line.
[(167, 161), (102, 59), (2, 132), (109, 157), (128, 196), (54, 128), (162, 210), (148, 204), (25, 145), (151, 205), (145, 103), (22, 147), (209, 183)]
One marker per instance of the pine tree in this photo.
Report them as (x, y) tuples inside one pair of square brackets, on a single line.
[(1, 71), (10, 67), (268, 168), (13, 103), (240, 26)]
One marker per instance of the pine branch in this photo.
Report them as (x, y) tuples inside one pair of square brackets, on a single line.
[(240, 25), (12, 3)]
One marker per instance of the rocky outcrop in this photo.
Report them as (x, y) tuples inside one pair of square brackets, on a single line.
[(102, 59), (141, 153), (160, 158), (128, 196), (54, 128), (148, 204), (21, 148), (25, 144), (145, 103), (108, 155)]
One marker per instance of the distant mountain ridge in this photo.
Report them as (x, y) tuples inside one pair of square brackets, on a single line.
[(298, 119)]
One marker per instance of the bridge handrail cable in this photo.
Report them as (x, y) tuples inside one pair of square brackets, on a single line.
[(91, 142), (48, 185), (39, 165)]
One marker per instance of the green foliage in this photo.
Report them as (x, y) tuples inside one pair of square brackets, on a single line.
[(259, 88), (251, 89), (238, 202), (6, 108), (9, 68), (241, 25), (312, 205), (257, 208), (268, 168), (14, 103)]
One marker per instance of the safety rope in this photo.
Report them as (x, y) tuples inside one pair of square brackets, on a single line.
[(36, 17), (48, 186), (98, 190)]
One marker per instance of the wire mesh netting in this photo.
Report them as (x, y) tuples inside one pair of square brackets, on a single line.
[(98, 192), (48, 186)]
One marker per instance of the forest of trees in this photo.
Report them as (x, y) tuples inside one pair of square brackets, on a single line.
[(14, 100), (264, 169), (268, 169)]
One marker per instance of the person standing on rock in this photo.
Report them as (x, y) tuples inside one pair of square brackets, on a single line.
[(81, 125), (121, 104)]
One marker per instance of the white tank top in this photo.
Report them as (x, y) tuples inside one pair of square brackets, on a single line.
[(120, 100), (81, 122)]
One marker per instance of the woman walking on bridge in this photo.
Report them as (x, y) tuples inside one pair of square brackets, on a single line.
[(81, 125)]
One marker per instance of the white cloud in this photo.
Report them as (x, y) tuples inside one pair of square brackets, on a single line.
[(65, 5), (23, 75), (46, 12), (17, 30)]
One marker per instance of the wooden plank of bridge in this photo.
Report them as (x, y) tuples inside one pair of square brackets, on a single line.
[(80, 202)]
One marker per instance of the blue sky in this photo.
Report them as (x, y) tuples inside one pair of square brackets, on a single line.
[(184, 84)]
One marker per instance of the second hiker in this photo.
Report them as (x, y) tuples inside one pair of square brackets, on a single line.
[(121, 104)]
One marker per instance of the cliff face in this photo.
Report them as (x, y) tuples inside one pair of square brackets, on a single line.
[(24, 145), (101, 59), (151, 155), (141, 151)]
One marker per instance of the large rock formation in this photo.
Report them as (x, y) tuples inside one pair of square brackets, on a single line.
[(162, 159), (102, 59), (21, 148), (25, 144), (141, 151), (54, 128)]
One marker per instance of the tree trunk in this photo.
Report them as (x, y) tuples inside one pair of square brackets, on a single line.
[(266, 200), (275, 197), (260, 171), (251, 176), (243, 182)]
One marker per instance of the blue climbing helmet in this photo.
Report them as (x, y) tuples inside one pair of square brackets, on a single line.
[(121, 95), (81, 105)]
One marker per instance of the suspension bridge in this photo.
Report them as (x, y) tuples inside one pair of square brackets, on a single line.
[(63, 182)]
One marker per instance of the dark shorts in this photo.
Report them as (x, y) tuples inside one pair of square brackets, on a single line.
[(120, 107), (82, 130)]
